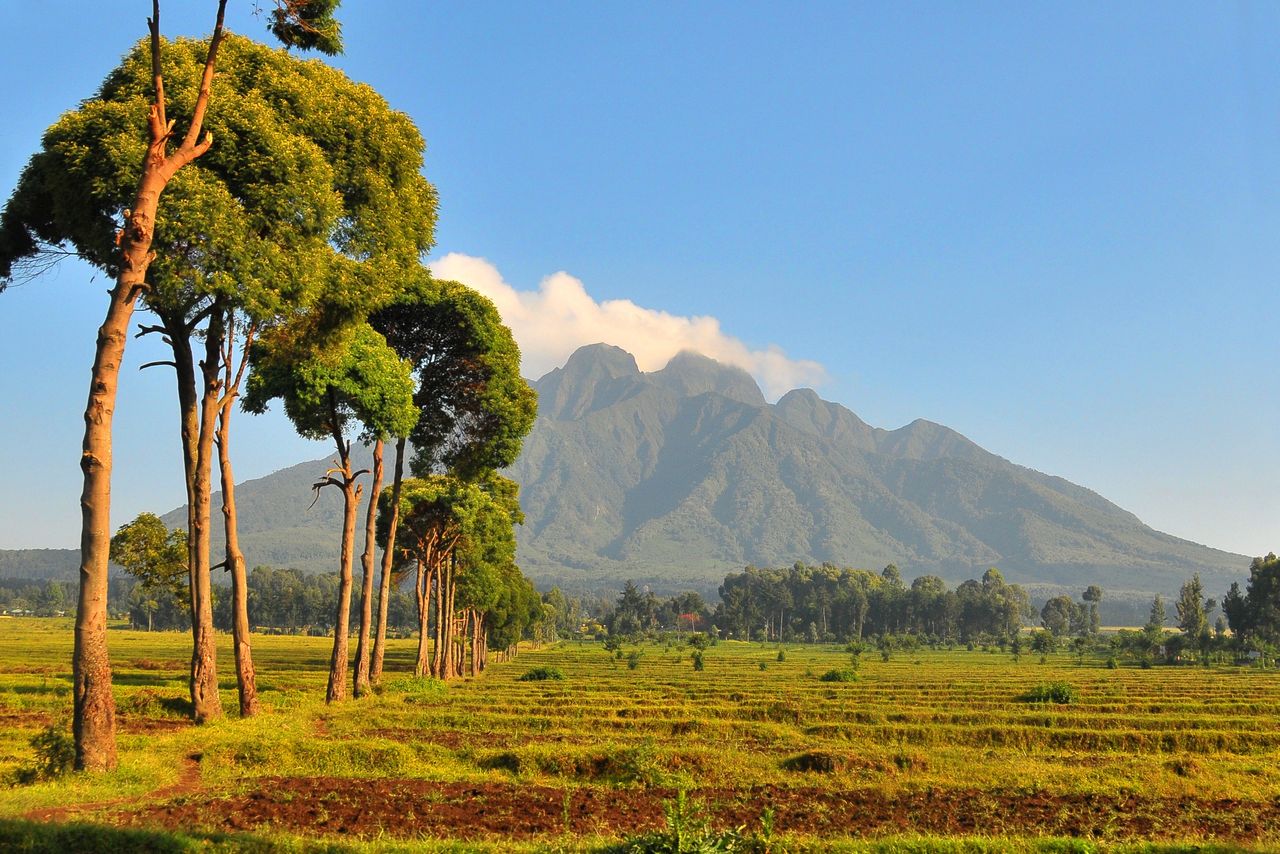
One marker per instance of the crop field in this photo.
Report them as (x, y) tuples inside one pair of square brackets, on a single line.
[(934, 750)]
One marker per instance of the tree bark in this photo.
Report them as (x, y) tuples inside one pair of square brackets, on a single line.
[(388, 562), (361, 682), (451, 668), (93, 722), (246, 681), (437, 648), (422, 594), (205, 701), (337, 689)]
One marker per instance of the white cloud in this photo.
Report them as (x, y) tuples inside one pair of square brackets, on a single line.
[(560, 316)]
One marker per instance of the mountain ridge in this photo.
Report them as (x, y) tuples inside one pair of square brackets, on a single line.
[(678, 476)]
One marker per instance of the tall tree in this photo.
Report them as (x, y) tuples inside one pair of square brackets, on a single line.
[(246, 236), (354, 379), (94, 706), (1190, 609), (1092, 596), (474, 407), (34, 219), (153, 554)]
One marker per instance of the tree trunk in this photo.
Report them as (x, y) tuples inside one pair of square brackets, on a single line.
[(361, 681), (93, 722), (206, 704), (388, 562), (437, 649), (450, 667), (475, 643), (422, 593), (246, 682), (337, 689)]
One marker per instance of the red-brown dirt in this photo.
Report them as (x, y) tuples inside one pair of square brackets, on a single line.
[(411, 808)]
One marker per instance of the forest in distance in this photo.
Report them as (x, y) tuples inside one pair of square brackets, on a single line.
[(801, 604)]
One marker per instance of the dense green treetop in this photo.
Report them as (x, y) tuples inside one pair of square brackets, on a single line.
[(475, 406), (355, 377), (153, 554), (310, 176)]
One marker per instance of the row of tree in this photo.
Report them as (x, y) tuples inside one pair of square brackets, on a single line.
[(285, 261), (821, 603)]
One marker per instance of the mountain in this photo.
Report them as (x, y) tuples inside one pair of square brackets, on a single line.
[(680, 475), (677, 476)]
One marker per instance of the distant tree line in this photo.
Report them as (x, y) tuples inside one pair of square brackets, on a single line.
[(828, 603)]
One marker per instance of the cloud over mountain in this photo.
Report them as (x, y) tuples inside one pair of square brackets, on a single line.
[(560, 316)]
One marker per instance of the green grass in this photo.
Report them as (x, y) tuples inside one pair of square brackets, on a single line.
[(935, 721)]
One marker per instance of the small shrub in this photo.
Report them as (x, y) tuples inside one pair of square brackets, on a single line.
[(688, 832), (698, 663), (505, 761), (55, 754), (633, 659), (764, 665), (1112, 664), (818, 761), (782, 656), (1051, 692), (843, 675), (540, 674), (910, 762)]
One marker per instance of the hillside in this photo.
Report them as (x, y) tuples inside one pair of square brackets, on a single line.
[(678, 476), (686, 472)]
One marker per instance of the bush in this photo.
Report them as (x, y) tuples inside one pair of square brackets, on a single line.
[(844, 675), (782, 656), (633, 659), (539, 674), (1051, 692), (55, 754), (698, 663)]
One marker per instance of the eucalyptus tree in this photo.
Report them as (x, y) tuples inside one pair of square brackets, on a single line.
[(48, 211), (307, 161), (354, 378), (474, 407), (432, 514)]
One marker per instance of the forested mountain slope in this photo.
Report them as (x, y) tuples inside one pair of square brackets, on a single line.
[(687, 472), (678, 476)]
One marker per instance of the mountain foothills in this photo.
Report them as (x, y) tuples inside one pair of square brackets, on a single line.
[(676, 477), (686, 472)]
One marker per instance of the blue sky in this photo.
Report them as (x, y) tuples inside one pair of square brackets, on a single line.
[(1054, 228)]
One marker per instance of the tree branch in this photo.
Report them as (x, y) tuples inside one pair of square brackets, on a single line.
[(157, 364), (206, 86), (153, 24)]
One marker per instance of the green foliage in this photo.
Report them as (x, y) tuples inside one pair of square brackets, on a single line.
[(55, 753), (1051, 692), (308, 25), (311, 184), (355, 376), (476, 408), (844, 674), (698, 662), (633, 659), (539, 674), (688, 831), (150, 552)]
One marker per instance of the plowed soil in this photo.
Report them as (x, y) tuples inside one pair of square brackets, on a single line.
[(412, 808)]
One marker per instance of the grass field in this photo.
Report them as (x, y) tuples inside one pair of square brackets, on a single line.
[(929, 751)]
